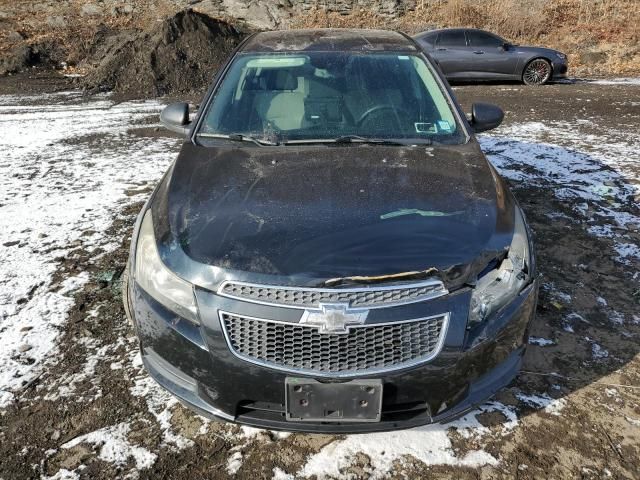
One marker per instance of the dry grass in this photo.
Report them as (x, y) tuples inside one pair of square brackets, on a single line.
[(579, 27)]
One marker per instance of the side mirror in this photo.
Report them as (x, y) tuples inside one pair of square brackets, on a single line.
[(505, 47), (175, 117), (485, 116)]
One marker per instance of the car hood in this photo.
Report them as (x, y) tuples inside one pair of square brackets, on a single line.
[(302, 215), (548, 52)]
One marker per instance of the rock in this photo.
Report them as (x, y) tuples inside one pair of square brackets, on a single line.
[(121, 10), (258, 14), (25, 347), (73, 457), (18, 58), (45, 53), (56, 21), (90, 10), (14, 37), (55, 435)]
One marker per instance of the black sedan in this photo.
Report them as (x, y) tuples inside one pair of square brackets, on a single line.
[(331, 250), (469, 54)]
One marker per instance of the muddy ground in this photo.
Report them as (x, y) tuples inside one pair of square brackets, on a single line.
[(570, 152)]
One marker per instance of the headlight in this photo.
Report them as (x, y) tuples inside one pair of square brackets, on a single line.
[(157, 280), (501, 285), (561, 56)]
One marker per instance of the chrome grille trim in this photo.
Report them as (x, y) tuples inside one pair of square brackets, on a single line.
[(330, 341), (308, 297)]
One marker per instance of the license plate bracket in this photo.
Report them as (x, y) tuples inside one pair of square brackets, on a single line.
[(308, 400)]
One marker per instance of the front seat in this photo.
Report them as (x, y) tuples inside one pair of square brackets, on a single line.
[(284, 108)]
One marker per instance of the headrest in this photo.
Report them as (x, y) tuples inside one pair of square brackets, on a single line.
[(281, 79)]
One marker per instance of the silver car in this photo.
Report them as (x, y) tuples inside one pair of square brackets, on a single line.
[(471, 54)]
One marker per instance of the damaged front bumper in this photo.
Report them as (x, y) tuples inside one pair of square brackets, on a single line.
[(195, 364)]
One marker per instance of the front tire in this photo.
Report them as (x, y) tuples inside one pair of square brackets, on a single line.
[(537, 72)]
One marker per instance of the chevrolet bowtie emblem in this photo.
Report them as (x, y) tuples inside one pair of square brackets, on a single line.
[(334, 318)]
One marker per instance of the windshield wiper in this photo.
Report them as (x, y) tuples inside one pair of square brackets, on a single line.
[(356, 139), (360, 139), (238, 137)]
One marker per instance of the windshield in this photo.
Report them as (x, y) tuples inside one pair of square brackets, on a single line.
[(316, 96)]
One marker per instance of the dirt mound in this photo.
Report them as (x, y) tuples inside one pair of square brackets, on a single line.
[(180, 55), (23, 56)]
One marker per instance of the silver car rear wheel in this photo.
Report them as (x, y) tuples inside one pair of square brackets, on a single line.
[(537, 72)]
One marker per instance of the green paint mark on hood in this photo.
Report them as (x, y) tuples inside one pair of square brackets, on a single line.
[(415, 211)]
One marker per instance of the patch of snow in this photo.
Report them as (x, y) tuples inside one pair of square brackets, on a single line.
[(616, 81), (63, 474), (601, 301), (597, 173), (601, 231), (564, 297), (429, 444), (597, 352), (114, 446), (234, 462), (244, 438), (279, 474), (251, 432), (159, 402), (541, 342), (550, 405), (616, 318), (626, 251), (576, 316), (64, 185), (67, 385), (611, 392), (633, 421)]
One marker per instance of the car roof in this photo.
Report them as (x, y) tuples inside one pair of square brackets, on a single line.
[(457, 29), (329, 39)]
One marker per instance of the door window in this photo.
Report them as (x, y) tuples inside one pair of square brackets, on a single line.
[(452, 39), (484, 40)]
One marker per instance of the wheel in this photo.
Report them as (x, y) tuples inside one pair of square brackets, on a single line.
[(537, 72)]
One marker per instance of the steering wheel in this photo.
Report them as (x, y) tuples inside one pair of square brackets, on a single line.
[(380, 108)]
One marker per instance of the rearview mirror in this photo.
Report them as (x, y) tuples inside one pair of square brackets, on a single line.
[(176, 117), (485, 116)]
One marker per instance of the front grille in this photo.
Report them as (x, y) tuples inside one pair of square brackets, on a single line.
[(364, 349), (371, 297)]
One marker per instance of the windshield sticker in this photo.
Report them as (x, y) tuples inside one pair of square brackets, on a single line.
[(444, 125), (415, 211), (423, 127)]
